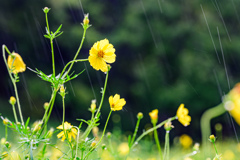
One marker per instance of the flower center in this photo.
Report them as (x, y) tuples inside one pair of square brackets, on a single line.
[(100, 53)]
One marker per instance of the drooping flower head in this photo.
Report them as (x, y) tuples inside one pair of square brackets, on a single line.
[(116, 103), (182, 114), (232, 103), (68, 131), (101, 53), (154, 115), (15, 63)]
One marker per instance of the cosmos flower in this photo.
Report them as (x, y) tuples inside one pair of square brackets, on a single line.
[(154, 115), (68, 131), (182, 114), (101, 53), (116, 103), (15, 63), (232, 103), (185, 140)]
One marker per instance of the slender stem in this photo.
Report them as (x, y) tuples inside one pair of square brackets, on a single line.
[(13, 82), (47, 23), (152, 129), (18, 103), (166, 148), (46, 111), (79, 49), (53, 61), (157, 141), (103, 94), (205, 121), (78, 60), (215, 148), (14, 113), (104, 130), (51, 107), (135, 132)]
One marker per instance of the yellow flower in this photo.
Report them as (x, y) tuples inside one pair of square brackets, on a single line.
[(123, 149), (116, 103), (185, 141), (232, 103), (12, 100), (182, 114), (15, 63), (68, 132), (154, 114), (100, 53)]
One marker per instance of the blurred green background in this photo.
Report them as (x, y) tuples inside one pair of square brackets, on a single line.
[(165, 57)]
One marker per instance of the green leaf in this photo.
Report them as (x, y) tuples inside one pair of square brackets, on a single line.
[(26, 124)]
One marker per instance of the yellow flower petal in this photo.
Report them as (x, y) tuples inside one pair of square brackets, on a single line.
[(15, 63), (100, 54), (116, 103)]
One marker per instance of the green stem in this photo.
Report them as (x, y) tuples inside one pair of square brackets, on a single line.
[(14, 113), (103, 94), (215, 148), (157, 141), (166, 148), (78, 60), (104, 130), (13, 81), (135, 132), (53, 61), (205, 121), (78, 51), (152, 129)]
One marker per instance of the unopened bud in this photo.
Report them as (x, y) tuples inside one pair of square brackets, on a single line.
[(6, 121), (168, 126), (12, 100), (85, 20), (46, 10), (93, 144), (93, 106), (95, 131), (46, 105), (212, 138), (7, 144), (140, 115), (109, 134)]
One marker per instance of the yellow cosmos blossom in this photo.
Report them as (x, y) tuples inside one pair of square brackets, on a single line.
[(101, 53), (15, 63), (182, 114), (232, 103), (116, 103), (68, 131), (186, 141), (154, 114)]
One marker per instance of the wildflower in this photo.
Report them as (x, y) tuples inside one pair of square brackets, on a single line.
[(116, 103), (182, 114), (123, 149), (140, 115), (212, 138), (93, 106), (100, 53), (6, 121), (154, 115), (12, 100), (185, 141), (168, 126), (232, 103), (15, 63), (46, 105), (68, 131), (4, 154)]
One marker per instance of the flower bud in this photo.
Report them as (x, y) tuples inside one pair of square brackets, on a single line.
[(46, 105), (62, 91), (109, 134), (12, 100), (93, 144), (95, 131), (168, 126), (50, 133), (6, 121), (196, 147), (140, 115), (103, 146), (85, 20), (46, 10), (212, 138), (7, 144), (93, 106)]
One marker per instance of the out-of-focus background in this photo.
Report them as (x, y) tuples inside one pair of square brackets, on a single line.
[(168, 52)]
